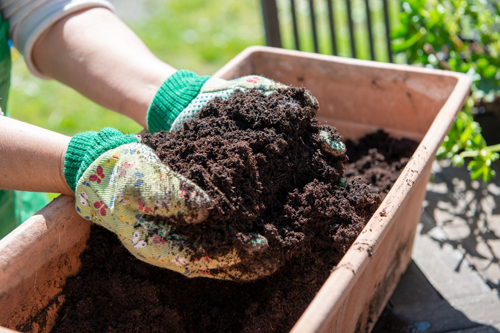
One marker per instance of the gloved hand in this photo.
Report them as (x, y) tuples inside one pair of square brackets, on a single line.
[(184, 94), (118, 182)]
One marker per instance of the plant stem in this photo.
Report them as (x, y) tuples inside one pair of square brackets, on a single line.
[(474, 153)]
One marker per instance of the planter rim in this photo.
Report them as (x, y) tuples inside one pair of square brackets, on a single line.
[(251, 50)]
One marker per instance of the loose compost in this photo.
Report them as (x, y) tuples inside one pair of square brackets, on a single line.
[(262, 162)]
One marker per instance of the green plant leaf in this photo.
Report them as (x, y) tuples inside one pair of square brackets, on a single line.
[(408, 43), (457, 161), (489, 71), (481, 63), (399, 32), (480, 167)]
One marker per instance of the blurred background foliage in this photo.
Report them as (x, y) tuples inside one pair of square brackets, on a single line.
[(457, 35)]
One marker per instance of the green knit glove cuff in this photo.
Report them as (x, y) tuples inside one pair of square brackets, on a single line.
[(84, 148), (174, 95)]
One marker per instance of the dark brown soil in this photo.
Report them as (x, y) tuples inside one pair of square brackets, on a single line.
[(378, 160), (315, 216), (262, 162)]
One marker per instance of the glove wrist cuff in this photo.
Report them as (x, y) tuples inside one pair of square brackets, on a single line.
[(173, 96), (84, 148)]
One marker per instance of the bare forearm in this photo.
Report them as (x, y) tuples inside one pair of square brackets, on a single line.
[(32, 158), (98, 55)]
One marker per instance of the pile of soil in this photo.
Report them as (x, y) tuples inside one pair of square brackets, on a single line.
[(318, 217), (262, 161)]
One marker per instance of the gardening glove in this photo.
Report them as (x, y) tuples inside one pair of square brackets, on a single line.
[(184, 94), (120, 183)]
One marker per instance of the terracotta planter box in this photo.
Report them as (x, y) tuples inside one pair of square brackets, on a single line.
[(357, 97)]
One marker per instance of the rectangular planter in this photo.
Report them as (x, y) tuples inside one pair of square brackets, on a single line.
[(355, 96)]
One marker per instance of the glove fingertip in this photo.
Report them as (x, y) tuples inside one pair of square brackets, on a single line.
[(252, 242), (200, 216), (331, 145)]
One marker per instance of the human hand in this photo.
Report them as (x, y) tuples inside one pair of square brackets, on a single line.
[(121, 185), (184, 94)]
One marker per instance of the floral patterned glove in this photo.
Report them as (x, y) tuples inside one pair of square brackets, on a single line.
[(184, 94), (119, 183)]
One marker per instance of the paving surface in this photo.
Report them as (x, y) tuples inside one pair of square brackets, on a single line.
[(453, 282)]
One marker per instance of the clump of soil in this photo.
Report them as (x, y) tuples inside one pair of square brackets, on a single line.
[(115, 292), (262, 161), (377, 160)]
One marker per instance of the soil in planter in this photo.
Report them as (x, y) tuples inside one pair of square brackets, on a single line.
[(115, 292), (377, 160)]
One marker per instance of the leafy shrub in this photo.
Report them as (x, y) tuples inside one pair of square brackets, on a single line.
[(461, 36)]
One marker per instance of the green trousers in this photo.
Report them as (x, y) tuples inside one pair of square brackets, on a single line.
[(15, 206)]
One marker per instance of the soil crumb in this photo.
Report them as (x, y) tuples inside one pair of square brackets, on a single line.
[(262, 154)]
